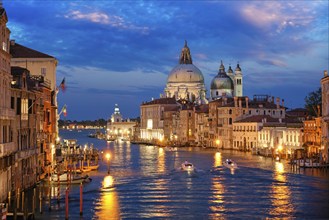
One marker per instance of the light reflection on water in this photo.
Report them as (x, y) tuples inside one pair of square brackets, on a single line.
[(108, 206), (280, 193), (217, 204), (149, 185)]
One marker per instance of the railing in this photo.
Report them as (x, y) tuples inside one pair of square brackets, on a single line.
[(7, 148)]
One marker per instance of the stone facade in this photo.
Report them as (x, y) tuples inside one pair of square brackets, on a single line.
[(7, 113)]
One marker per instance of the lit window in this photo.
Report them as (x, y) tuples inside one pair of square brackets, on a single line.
[(149, 123), (4, 46)]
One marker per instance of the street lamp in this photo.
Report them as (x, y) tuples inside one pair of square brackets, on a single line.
[(108, 156), (217, 143)]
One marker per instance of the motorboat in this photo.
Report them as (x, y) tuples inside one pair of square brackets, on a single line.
[(187, 166), (230, 164), (72, 178)]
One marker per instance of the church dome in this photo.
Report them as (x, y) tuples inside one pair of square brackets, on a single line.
[(221, 80), (185, 71)]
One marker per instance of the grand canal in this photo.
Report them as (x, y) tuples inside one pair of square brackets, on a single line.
[(149, 184)]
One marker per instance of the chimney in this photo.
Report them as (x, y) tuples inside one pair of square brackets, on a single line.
[(240, 103), (325, 73), (273, 99), (247, 103), (12, 42), (282, 102), (277, 102)]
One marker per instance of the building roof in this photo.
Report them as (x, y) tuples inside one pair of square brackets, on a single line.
[(258, 118), (20, 51), (202, 108), (161, 101), (269, 121)]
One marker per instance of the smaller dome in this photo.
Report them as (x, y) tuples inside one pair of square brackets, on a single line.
[(221, 81)]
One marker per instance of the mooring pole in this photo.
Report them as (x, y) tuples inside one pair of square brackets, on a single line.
[(67, 204), (81, 199)]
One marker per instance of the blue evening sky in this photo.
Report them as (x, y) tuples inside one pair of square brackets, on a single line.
[(120, 52)]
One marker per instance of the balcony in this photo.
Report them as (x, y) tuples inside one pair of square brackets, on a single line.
[(7, 149), (7, 113)]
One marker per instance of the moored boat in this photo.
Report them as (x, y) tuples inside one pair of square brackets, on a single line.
[(72, 178)]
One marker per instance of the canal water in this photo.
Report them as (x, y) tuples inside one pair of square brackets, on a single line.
[(148, 183)]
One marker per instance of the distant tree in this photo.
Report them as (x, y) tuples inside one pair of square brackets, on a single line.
[(313, 102)]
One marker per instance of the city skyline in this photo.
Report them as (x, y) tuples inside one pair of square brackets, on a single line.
[(121, 53)]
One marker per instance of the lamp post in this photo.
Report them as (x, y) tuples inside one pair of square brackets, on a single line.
[(108, 156)]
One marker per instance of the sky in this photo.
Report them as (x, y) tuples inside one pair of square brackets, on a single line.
[(121, 52)]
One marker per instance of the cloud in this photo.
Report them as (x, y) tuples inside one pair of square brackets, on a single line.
[(105, 19), (278, 15)]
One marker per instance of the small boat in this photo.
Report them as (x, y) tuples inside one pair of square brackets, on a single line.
[(187, 166), (90, 168), (65, 178), (230, 164)]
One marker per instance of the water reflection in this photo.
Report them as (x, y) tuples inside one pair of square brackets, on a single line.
[(280, 193), (217, 199), (108, 205), (217, 159), (161, 161)]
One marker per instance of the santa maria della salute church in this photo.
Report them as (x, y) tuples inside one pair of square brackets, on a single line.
[(186, 82)]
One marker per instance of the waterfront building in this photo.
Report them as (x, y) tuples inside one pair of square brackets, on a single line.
[(266, 135), (245, 132), (202, 125), (118, 128), (170, 117), (24, 100), (152, 118), (184, 124), (224, 111), (312, 136), (325, 117), (41, 65), (186, 81), (8, 148)]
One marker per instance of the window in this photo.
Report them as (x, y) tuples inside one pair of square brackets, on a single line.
[(43, 71), (18, 106), (238, 81), (12, 102), (149, 124), (4, 46), (230, 121), (30, 107), (216, 92)]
